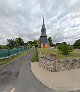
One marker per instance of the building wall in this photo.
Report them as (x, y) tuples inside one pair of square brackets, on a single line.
[(42, 46)]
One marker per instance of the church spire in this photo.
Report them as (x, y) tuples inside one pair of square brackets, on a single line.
[(43, 25), (43, 20), (43, 30)]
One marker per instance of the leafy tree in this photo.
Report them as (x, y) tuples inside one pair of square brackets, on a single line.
[(19, 41), (57, 44), (3, 47), (50, 41), (10, 43), (30, 44), (17, 44), (65, 48), (77, 44), (60, 47), (35, 43)]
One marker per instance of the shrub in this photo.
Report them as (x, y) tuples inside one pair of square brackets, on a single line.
[(65, 48)]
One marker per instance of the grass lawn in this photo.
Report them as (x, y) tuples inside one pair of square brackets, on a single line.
[(7, 60), (35, 57), (47, 51)]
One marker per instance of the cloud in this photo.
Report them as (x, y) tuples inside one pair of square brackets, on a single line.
[(24, 18)]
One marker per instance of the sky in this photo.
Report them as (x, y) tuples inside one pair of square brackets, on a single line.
[(23, 18)]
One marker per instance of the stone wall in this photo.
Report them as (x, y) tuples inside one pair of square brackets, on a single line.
[(55, 65)]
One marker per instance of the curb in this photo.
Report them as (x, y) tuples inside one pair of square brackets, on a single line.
[(13, 90)]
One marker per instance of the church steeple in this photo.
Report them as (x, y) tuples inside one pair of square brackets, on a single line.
[(43, 20), (43, 37), (43, 25), (43, 30)]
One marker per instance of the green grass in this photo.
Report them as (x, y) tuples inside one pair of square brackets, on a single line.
[(47, 51), (35, 56), (7, 60)]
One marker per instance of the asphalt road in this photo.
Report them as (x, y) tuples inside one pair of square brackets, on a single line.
[(27, 82), (18, 75), (9, 73)]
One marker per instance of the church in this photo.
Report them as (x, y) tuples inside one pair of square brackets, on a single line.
[(43, 37)]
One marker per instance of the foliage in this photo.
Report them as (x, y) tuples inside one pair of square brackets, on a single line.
[(3, 47), (35, 56), (19, 41), (35, 43), (57, 44), (65, 48), (29, 43), (46, 51), (50, 41), (11, 43), (77, 44)]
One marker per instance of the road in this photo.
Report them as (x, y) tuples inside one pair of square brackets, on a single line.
[(9, 73), (27, 82), (18, 74)]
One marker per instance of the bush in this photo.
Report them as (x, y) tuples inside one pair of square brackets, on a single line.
[(3, 47), (65, 48)]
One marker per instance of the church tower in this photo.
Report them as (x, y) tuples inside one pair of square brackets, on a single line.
[(43, 37)]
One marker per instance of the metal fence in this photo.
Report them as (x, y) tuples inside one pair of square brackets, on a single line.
[(4, 53)]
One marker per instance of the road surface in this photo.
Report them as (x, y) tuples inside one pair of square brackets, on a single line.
[(9, 73), (27, 82), (18, 75)]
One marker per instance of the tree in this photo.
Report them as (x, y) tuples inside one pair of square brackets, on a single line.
[(35, 43), (77, 44), (10, 43), (29, 44), (3, 47), (65, 48), (50, 41), (19, 41), (57, 44)]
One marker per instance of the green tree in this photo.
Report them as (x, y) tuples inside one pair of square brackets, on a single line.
[(19, 41), (65, 48), (60, 47), (3, 47), (50, 41), (29, 43), (36, 43), (77, 44), (10, 43)]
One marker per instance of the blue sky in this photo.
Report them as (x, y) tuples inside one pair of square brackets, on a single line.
[(23, 18)]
